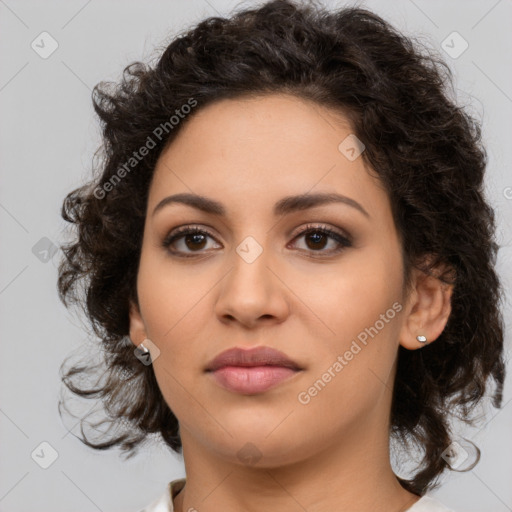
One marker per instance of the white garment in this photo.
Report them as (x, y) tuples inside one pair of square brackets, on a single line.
[(165, 503)]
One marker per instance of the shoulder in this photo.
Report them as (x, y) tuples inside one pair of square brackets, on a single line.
[(428, 503), (165, 502)]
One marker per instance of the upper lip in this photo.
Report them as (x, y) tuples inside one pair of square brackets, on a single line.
[(258, 356)]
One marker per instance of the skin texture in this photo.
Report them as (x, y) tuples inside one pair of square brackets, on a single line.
[(333, 452)]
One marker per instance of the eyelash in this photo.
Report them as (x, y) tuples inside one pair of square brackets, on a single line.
[(179, 233)]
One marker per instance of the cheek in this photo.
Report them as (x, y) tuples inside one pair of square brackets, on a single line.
[(171, 306), (359, 307), (170, 295), (350, 296), (173, 323)]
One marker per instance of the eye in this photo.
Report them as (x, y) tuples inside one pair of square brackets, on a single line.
[(316, 238), (195, 240), (191, 237)]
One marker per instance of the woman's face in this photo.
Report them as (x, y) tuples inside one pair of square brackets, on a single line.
[(253, 278)]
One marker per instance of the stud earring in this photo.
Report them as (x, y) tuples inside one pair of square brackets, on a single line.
[(421, 339)]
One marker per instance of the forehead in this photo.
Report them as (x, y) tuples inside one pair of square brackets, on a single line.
[(249, 149)]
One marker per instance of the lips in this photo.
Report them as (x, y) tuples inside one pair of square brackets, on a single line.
[(258, 356), (253, 371)]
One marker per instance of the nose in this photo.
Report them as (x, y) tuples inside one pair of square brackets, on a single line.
[(252, 292)]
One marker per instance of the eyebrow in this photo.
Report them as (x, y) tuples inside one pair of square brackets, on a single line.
[(284, 206)]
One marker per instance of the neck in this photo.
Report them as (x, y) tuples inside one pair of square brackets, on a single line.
[(354, 475)]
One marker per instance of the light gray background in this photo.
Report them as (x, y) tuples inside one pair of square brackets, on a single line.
[(48, 136)]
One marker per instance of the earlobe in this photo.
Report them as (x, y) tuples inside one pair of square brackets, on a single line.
[(137, 326), (427, 312)]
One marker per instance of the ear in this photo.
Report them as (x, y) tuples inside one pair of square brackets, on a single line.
[(137, 326), (427, 311)]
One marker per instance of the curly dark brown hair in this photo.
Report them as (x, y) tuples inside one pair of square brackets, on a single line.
[(426, 150)]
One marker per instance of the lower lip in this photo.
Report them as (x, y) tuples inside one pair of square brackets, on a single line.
[(251, 379)]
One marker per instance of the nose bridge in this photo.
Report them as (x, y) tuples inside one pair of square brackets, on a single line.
[(251, 247), (250, 260), (250, 290)]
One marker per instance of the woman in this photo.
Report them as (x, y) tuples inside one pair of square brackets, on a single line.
[(289, 260)]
